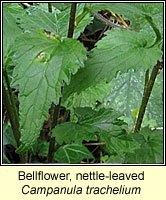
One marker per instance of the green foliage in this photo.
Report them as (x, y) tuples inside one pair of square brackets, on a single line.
[(129, 50), (112, 159), (42, 65), (148, 149), (15, 9), (9, 27), (55, 6), (72, 153), (151, 147), (61, 6), (69, 133), (90, 123), (102, 118), (56, 22), (155, 105), (133, 11), (102, 124), (86, 98), (126, 91), (118, 143)]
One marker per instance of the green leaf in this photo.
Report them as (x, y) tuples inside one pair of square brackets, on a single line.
[(143, 17), (155, 29), (73, 153), (9, 27), (113, 159), (15, 9), (61, 6), (119, 143), (101, 119), (137, 14), (154, 109), (37, 19), (154, 10), (56, 22), (156, 144), (120, 50), (129, 10), (108, 128), (55, 6), (151, 149), (90, 125), (88, 97), (126, 91), (43, 64), (103, 123), (73, 133)]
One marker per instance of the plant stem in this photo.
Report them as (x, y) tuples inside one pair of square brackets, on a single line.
[(147, 92), (108, 22), (55, 109), (95, 144), (11, 113), (146, 80), (72, 19), (11, 97), (8, 101), (50, 7), (54, 122)]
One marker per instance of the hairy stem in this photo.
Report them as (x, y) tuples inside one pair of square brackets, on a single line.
[(147, 92), (56, 109), (50, 7)]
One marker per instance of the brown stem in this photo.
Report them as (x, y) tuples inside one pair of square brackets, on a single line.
[(146, 95), (72, 19), (146, 81)]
